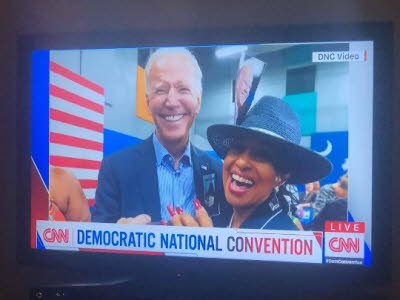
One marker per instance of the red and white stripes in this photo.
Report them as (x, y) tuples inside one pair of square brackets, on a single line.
[(76, 126)]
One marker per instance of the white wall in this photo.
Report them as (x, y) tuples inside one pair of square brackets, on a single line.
[(360, 138), (216, 108), (67, 58), (115, 70), (272, 83), (332, 88)]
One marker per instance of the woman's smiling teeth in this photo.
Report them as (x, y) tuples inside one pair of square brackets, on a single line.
[(173, 118), (240, 181)]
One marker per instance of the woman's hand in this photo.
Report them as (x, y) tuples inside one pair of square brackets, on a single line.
[(181, 218)]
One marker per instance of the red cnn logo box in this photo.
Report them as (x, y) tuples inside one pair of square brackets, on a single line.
[(51, 235), (344, 239)]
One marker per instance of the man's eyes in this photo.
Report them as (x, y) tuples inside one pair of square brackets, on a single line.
[(180, 90), (161, 91), (184, 90)]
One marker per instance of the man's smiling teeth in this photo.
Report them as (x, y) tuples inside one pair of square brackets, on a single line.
[(173, 118), (242, 181)]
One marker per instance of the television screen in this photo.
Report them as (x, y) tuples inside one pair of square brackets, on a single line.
[(258, 151)]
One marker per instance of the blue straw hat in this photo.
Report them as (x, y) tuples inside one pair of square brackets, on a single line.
[(276, 126)]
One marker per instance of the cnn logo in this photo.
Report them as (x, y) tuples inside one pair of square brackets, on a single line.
[(340, 244), (52, 235)]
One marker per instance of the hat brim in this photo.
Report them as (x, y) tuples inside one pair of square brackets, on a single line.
[(308, 166)]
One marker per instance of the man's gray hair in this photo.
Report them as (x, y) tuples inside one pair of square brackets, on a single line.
[(160, 52)]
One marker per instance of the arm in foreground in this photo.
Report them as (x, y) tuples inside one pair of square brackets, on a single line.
[(66, 193)]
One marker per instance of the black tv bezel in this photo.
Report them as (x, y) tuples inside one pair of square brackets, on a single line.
[(277, 274)]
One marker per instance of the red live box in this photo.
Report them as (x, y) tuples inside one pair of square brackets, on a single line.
[(351, 227)]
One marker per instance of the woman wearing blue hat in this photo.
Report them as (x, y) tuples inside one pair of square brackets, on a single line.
[(262, 156)]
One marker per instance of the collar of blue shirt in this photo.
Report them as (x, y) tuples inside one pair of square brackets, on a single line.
[(162, 154)]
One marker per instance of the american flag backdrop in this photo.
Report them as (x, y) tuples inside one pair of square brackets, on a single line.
[(76, 126)]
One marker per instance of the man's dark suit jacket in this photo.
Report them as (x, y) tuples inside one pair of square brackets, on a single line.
[(128, 184)]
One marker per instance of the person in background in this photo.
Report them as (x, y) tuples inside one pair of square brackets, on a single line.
[(306, 198), (66, 196), (142, 183), (310, 193), (243, 85), (330, 193), (333, 211)]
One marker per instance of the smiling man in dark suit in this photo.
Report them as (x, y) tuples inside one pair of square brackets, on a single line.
[(164, 174)]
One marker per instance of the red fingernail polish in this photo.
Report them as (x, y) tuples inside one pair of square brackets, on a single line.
[(163, 222), (197, 204), (171, 210), (179, 210)]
